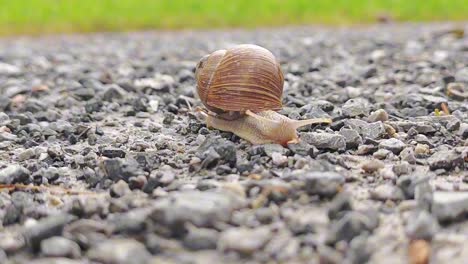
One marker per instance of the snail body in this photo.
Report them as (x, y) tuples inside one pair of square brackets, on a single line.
[(241, 89)]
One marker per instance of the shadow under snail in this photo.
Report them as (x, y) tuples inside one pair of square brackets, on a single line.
[(242, 89)]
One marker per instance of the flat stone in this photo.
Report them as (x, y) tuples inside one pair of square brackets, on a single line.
[(392, 144), (373, 130), (60, 247), (45, 228), (119, 251), (243, 240), (355, 107), (448, 206), (325, 140), (325, 184), (386, 192), (446, 159), (14, 174), (202, 209)]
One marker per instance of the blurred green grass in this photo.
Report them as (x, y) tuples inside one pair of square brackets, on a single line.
[(63, 16)]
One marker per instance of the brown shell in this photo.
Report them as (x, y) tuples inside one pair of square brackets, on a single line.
[(246, 77)]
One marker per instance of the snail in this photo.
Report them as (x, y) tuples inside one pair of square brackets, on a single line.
[(241, 89)]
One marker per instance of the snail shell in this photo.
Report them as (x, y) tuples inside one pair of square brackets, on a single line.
[(245, 77)]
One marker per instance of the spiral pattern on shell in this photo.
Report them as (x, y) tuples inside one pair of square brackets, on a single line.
[(245, 77)]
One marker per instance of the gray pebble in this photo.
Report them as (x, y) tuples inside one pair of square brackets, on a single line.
[(392, 144), (60, 247), (119, 251)]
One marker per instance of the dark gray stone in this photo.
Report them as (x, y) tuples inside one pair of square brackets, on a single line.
[(445, 159), (325, 140), (14, 174), (325, 184)]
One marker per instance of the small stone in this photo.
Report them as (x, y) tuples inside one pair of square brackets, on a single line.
[(119, 189), (26, 154), (11, 242), (421, 225), (14, 174), (84, 94), (45, 228), (201, 209), (366, 149), (117, 169), (219, 150), (355, 107), (119, 251), (381, 154), (373, 165), (421, 150), (448, 206), (392, 144), (373, 130), (409, 183), (407, 154), (325, 140), (340, 204), (463, 130), (201, 239), (270, 149), (352, 137), (243, 240), (113, 92), (113, 152), (386, 192), (402, 168), (60, 247), (360, 249), (325, 184), (157, 245), (278, 159), (6, 136), (9, 69), (352, 224), (378, 115), (446, 159)]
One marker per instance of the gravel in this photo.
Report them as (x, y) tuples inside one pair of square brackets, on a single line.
[(101, 159)]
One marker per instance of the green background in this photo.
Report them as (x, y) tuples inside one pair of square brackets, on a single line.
[(59, 16)]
